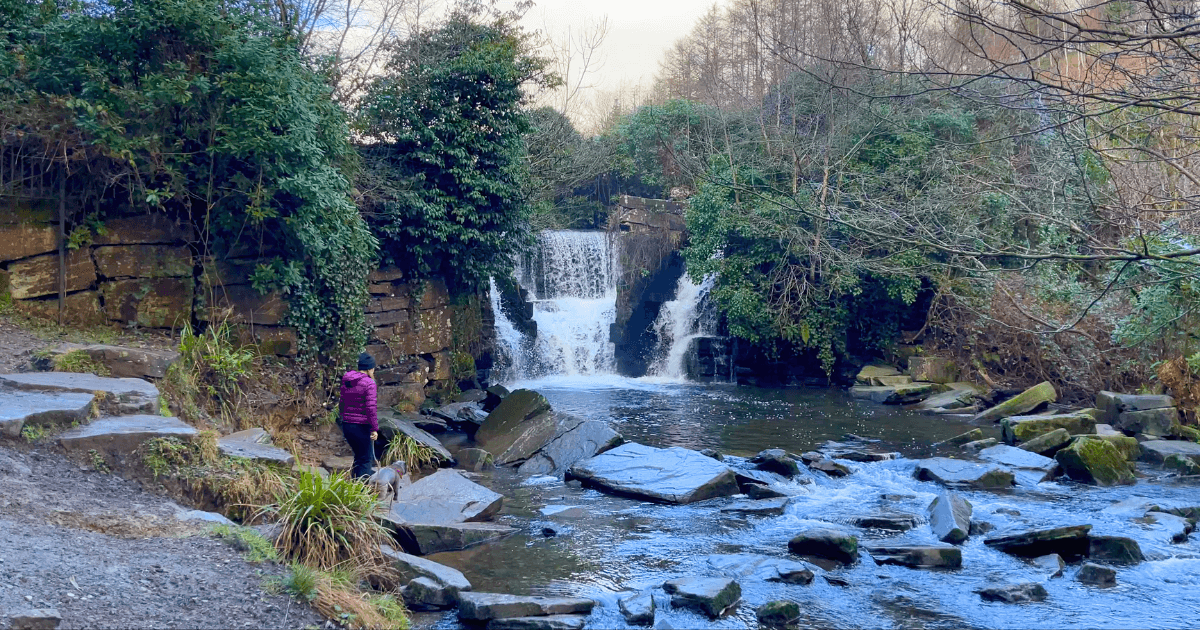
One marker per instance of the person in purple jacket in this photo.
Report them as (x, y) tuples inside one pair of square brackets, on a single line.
[(360, 423)]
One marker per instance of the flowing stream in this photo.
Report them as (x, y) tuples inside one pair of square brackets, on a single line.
[(615, 546)]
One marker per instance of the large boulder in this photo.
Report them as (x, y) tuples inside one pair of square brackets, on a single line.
[(825, 543), (1114, 549), (523, 418), (1018, 429), (954, 473), (485, 607), (1129, 447), (18, 408), (918, 556), (426, 538), (1029, 468), (950, 517), (430, 586), (665, 475), (766, 568), (1152, 422), (575, 439), (1096, 462), (133, 362), (1069, 542), (1037, 396), (1157, 451), (1111, 404), (445, 497), (254, 444), (712, 596)]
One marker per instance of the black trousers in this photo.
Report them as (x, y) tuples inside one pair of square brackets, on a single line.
[(359, 438)]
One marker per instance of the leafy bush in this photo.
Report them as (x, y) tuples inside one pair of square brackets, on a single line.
[(328, 521), (209, 374)]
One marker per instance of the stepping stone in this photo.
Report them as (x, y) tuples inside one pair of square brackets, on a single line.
[(711, 596), (437, 585), (1114, 549), (1014, 593), (1069, 542), (665, 475), (825, 543), (950, 517), (638, 609), (1028, 468), (1096, 575), (254, 444), (550, 622), (485, 607), (918, 557), (123, 390), (116, 438), (777, 614), (766, 568), (424, 538), (1157, 451), (18, 408), (955, 473), (575, 439), (759, 507), (133, 362), (445, 497), (893, 522)]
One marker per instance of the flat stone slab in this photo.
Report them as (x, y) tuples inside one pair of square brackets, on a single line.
[(431, 586), (665, 475), (128, 362), (391, 425), (121, 388), (1030, 468), (1017, 429), (766, 568), (949, 400), (549, 622), (121, 435), (445, 497), (18, 408), (254, 444), (918, 557), (894, 395), (1026, 401), (825, 543), (575, 439), (1014, 593), (955, 473), (1068, 542), (484, 607), (897, 522), (1157, 451), (758, 507), (519, 426), (427, 538), (712, 596)]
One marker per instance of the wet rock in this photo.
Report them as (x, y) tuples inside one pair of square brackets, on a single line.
[(426, 538), (422, 593), (392, 425), (670, 475), (1157, 451), (522, 417), (918, 557), (130, 393), (825, 543), (1111, 404), (1037, 396), (1096, 575), (565, 511), (485, 607), (862, 456), (836, 581), (896, 395), (1154, 422), (1096, 462), (1068, 542), (1176, 527), (758, 507), (870, 372), (1019, 429), (116, 438), (766, 568), (428, 424), (1051, 562), (495, 394), (711, 596), (830, 467), (436, 585), (550, 622), (776, 460), (751, 477), (979, 528), (254, 444), (1028, 468), (18, 408), (896, 522), (1015, 593), (708, 452), (474, 459), (574, 440), (471, 396), (760, 492), (36, 619), (979, 445), (1129, 447), (811, 457), (445, 497), (638, 609), (950, 517), (970, 436), (1114, 549), (954, 473), (777, 614), (1048, 444)]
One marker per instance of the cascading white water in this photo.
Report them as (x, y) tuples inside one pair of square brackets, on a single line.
[(680, 321), (509, 340)]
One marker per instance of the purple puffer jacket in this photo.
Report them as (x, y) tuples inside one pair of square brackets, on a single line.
[(358, 399)]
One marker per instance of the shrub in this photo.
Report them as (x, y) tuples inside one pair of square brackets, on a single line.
[(414, 454), (328, 521), (207, 377)]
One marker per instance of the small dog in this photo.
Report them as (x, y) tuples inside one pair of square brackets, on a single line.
[(386, 483)]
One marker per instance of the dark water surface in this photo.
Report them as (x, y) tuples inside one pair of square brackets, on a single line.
[(623, 545)]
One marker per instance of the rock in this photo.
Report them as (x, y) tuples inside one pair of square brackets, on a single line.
[(201, 515), (1037, 396), (117, 438), (712, 596), (932, 369), (1157, 451), (495, 394), (825, 543), (670, 475), (38, 276), (713, 453), (1111, 404), (638, 608), (18, 408), (450, 413), (410, 567), (870, 372), (777, 614), (133, 362), (549, 622), (24, 240), (1030, 468), (485, 607), (36, 619), (393, 424), (566, 511), (575, 439), (338, 463), (766, 568), (512, 420), (1096, 575), (428, 424), (954, 473), (469, 419), (979, 528), (760, 507), (892, 381), (896, 395), (1048, 444), (1129, 447), (1185, 433), (1155, 422), (830, 467), (950, 517), (474, 459), (979, 445), (1018, 429), (1181, 465), (1014, 593), (862, 456), (471, 396), (129, 393), (1096, 462), (918, 557), (425, 538), (892, 522), (445, 497), (1177, 527), (1068, 542), (970, 436), (776, 460), (423, 593), (1051, 562), (254, 444), (759, 492), (1114, 549)]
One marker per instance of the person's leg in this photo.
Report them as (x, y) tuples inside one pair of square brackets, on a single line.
[(359, 438)]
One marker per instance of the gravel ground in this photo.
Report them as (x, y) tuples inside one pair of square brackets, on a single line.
[(106, 554)]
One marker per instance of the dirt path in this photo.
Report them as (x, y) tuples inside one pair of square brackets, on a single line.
[(104, 553)]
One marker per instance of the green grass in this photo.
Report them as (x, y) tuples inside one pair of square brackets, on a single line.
[(328, 521), (33, 432), (256, 547), (302, 583), (414, 454), (81, 362)]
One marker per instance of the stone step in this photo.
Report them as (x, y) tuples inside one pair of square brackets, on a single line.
[(116, 438), (119, 396), (254, 444), (19, 408), (121, 361)]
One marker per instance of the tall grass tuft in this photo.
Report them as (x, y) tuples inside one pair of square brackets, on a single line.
[(208, 376), (414, 454), (328, 522)]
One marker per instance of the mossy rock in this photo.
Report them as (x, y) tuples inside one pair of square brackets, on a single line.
[(1191, 434), (1026, 401), (1127, 446), (1181, 464), (1097, 462), (1018, 429)]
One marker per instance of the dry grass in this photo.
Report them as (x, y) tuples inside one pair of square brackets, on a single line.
[(414, 454), (354, 609)]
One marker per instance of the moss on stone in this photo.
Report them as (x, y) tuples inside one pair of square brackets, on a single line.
[(1095, 461)]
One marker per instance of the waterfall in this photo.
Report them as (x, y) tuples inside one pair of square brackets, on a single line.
[(572, 280), (509, 341), (680, 322)]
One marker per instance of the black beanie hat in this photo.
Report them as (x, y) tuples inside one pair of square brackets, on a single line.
[(366, 362)]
